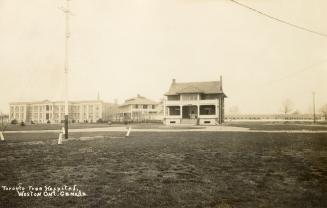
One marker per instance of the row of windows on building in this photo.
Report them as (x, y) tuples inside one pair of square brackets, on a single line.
[(191, 97), (90, 108), (144, 106), (204, 110)]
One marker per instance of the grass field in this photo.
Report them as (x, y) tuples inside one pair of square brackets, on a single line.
[(186, 169), (17, 127), (276, 126), (270, 126)]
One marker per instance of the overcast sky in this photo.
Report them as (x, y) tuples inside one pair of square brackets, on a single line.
[(123, 48)]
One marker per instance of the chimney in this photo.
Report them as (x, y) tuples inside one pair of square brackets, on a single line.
[(98, 97), (174, 81), (221, 83)]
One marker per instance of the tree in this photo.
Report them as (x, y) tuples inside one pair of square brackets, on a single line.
[(234, 110), (3, 124), (287, 106), (296, 112), (14, 121), (323, 110)]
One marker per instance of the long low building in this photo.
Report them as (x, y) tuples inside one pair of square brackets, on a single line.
[(46, 111), (272, 117)]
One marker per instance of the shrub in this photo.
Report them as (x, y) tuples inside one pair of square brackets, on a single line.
[(14, 121), (100, 120), (22, 123)]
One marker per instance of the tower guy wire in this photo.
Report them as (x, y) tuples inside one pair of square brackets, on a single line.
[(279, 20)]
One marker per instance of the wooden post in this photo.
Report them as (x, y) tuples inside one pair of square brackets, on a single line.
[(2, 137), (314, 107), (222, 110)]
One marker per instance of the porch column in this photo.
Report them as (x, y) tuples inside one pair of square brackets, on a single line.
[(217, 108), (131, 111), (198, 105), (220, 110), (164, 107), (198, 115)]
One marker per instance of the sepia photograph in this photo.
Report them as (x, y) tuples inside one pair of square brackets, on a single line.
[(163, 103)]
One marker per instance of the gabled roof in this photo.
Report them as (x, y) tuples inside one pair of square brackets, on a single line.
[(194, 87), (139, 100)]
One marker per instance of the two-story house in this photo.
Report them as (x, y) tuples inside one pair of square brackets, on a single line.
[(194, 103), (138, 109)]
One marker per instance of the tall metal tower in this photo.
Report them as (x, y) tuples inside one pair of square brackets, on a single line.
[(67, 36)]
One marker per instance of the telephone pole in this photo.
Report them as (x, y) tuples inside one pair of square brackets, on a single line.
[(67, 36), (314, 106)]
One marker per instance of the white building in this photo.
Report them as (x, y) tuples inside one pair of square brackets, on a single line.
[(194, 103), (138, 109), (53, 111)]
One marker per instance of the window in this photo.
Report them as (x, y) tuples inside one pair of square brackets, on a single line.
[(145, 107), (174, 110), (209, 96), (173, 97), (189, 97), (207, 110), (153, 106), (136, 106)]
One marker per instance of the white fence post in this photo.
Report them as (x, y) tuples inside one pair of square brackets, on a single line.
[(128, 131), (2, 137), (60, 138), (60, 135)]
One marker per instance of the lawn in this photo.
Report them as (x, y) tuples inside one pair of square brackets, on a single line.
[(269, 126), (28, 127), (176, 169), (17, 127), (279, 125)]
